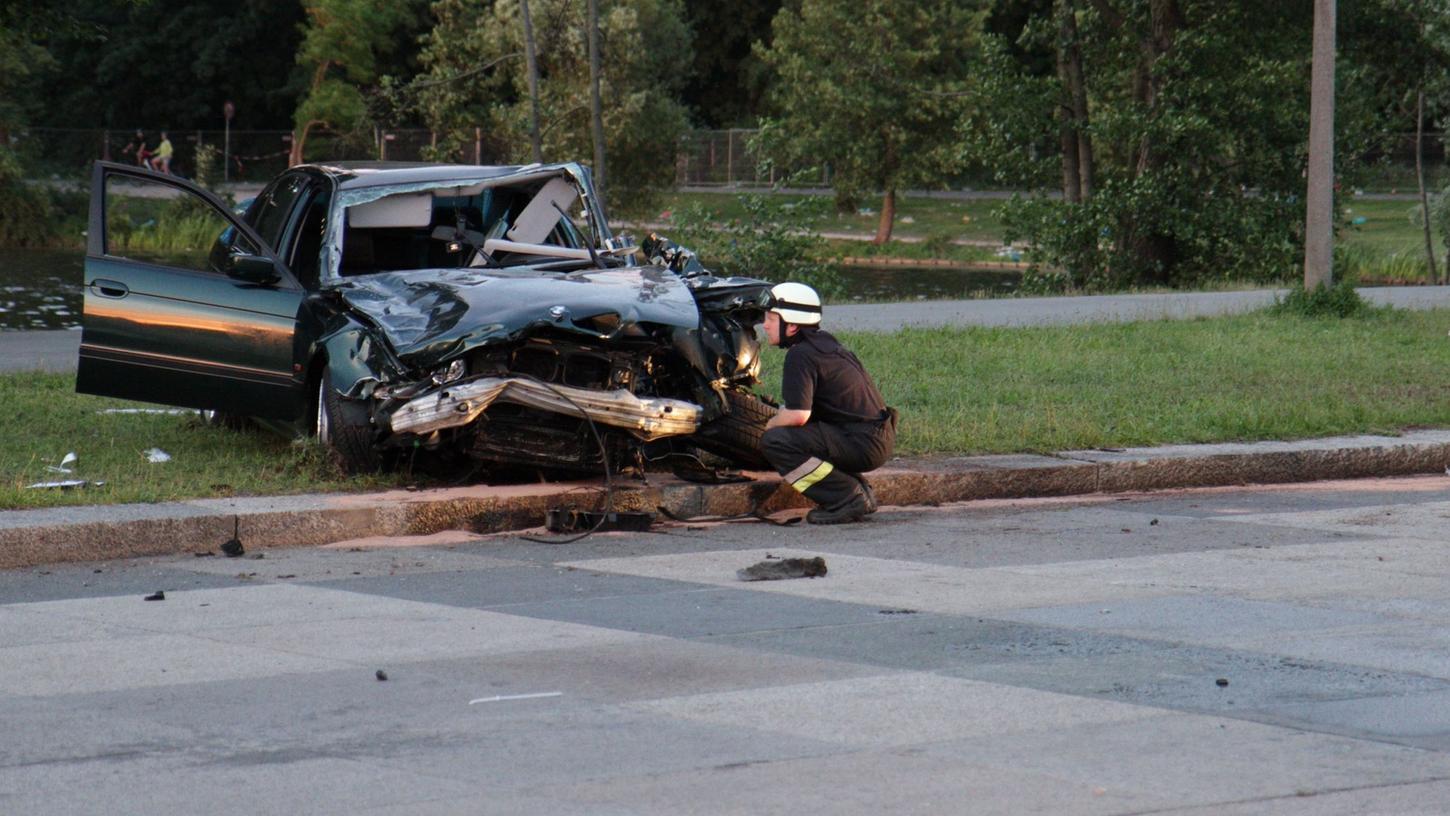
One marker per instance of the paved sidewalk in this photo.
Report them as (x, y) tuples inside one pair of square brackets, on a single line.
[(30, 537)]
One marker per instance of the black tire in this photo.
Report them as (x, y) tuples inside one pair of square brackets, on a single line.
[(344, 428), (736, 435)]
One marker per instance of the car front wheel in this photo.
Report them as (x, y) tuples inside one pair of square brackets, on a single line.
[(343, 427)]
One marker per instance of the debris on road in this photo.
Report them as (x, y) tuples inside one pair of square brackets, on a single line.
[(158, 595), (233, 547), (897, 611), (507, 697), (381, 675), (561, 520), (784, 569), (1221, 682)]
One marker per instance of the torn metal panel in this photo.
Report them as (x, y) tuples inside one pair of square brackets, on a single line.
[(459, 405)]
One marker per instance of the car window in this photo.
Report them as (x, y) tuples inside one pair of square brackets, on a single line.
[(153, 222), (275, 205), (307, 247)]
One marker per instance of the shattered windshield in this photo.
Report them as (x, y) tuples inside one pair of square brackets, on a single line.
[(528, 220)]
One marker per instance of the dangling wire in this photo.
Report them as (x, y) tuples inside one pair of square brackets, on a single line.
[(603, 457)]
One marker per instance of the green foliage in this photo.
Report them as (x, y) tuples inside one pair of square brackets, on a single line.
[(1198, 134), (644, 43), (770, 241), (27, 216), (1339, 300), (867, 87), (343, 44)]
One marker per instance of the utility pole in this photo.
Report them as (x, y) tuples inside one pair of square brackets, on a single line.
[(533, 67), (597, 118), (1319, 217)]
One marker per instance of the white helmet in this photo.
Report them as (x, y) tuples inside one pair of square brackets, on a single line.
[(796, 303)]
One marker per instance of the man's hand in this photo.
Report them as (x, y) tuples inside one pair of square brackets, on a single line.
[(788, 418)]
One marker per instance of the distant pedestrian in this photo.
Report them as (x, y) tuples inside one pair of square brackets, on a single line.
[(162, 162), (136, 151)]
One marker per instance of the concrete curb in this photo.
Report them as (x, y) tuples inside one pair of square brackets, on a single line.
[(32, 537)]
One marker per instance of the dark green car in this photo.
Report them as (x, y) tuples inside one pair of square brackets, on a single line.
[(486, 311)]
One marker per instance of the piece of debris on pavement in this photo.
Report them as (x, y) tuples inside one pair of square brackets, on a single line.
[(158, 595), (381, 675), (897, 611), (1221, 682), (233, 546), (784, 569), (562, 520)]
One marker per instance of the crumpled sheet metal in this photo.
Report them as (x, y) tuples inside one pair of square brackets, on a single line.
[(458, 405)]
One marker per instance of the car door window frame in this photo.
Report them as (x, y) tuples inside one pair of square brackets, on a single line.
[(96, 238)]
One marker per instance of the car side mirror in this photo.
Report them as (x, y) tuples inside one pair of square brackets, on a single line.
[(253, 269)]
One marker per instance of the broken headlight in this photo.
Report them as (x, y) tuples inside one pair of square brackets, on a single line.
[(449, 373)]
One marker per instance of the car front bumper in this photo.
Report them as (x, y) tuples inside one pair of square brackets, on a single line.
[(454, 406)]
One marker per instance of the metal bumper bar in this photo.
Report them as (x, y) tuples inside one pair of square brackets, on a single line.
[(457, 405)]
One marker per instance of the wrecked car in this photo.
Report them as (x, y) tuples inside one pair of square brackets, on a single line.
[(485, 312)]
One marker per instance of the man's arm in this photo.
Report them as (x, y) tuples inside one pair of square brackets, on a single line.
[(788, 418)]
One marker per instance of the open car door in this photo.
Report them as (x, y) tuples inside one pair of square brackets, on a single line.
[(184, 304)]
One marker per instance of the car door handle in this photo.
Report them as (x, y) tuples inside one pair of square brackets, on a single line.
[(110, 288)]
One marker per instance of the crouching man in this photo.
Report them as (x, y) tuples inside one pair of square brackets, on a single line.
[(833, 424)]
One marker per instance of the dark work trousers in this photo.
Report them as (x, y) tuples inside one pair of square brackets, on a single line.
[(824, 461)]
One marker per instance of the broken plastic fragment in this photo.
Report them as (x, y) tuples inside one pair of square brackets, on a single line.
[(65, 485), (68, 459), (157, 455)]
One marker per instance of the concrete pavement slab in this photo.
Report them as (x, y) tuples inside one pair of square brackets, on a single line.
[(879, 582), (1194, 759), (860, 782), (1422, 720), (1411, 799), (911, 708), (1194, 619)]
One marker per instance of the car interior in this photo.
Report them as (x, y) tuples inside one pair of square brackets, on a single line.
[(457, 227)]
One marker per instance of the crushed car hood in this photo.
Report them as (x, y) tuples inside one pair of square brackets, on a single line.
[(432, 314)]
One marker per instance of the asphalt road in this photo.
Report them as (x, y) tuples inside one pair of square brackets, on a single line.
[(56, 350), (1234, 651)]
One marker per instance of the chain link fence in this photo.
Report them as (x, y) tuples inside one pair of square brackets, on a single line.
[(706, 158)]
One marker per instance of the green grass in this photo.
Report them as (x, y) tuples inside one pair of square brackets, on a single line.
[(918, 216), (962, 391), (985, 390), (46, 419)]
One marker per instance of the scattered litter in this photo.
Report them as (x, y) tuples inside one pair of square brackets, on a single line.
[(1127, 529), (285, 577), (158, 595), (155, 455), (233, 547), (897, 611), (381, 675), (1153, 523), (68, 459), (784, 569), (560, 520), (65, 485), (505, 697), (168, 411), (906, 219), (207, 554), (1221, 682)]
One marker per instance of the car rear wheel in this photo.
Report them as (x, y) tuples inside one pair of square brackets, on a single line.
[(343, 427), (736, 435)]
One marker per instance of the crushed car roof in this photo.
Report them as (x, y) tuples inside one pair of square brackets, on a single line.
[(355, 174)]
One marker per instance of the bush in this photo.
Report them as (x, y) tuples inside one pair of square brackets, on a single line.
[(27, 216), (773, 242), (1339, 300)]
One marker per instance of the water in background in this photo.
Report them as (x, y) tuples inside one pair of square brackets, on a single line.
[(41, 289)]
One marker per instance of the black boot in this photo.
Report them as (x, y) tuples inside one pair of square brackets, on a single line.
[(848, 512)]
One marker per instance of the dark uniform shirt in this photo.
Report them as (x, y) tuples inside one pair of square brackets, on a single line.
[(822, 377)]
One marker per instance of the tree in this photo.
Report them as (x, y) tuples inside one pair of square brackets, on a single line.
[(727, 83), (643, 43), (342, 44), (868, 87), (1319, 219), (1176, 128)]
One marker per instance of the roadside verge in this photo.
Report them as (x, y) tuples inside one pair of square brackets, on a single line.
[(32, 537)]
